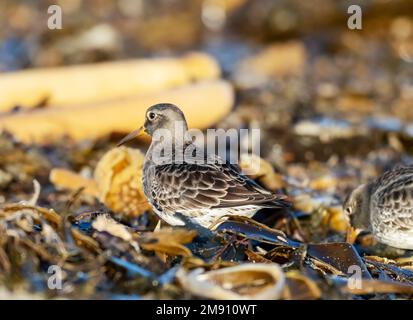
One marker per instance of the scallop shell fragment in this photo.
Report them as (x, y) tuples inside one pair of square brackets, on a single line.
[(252, 281)]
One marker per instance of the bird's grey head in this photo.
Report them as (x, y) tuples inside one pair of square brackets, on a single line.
[(357, 207), (164, 116)]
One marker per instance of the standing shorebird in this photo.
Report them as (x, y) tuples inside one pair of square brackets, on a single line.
[(385, 208), (203, 188)]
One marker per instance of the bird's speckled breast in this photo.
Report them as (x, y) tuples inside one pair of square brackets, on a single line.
[(147, 178)]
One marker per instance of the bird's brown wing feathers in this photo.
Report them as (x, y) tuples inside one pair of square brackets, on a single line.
[(393, 178), (200, 186), (394, 198)]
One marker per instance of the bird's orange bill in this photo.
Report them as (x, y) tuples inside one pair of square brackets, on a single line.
[(131, 136)]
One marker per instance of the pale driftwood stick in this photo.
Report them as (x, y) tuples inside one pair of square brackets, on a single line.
[(203, 103), (90, 83), (67, 179)]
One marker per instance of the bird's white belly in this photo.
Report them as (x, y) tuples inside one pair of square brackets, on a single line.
[(397, 239), (169, 218), (207, 217)]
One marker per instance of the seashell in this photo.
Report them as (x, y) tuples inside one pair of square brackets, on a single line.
[(118, 177), (300, 287), (310, 203), (169, 241), (327, 129), (327, 182), (104, 223), (249, 281), (260, 169), (337, 219)]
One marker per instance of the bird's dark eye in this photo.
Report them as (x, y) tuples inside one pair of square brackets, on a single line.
[(151, 115), (349, 210)]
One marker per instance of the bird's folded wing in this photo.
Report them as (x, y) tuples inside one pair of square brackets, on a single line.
[(395, 205), (199, 186), (393, 179)]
